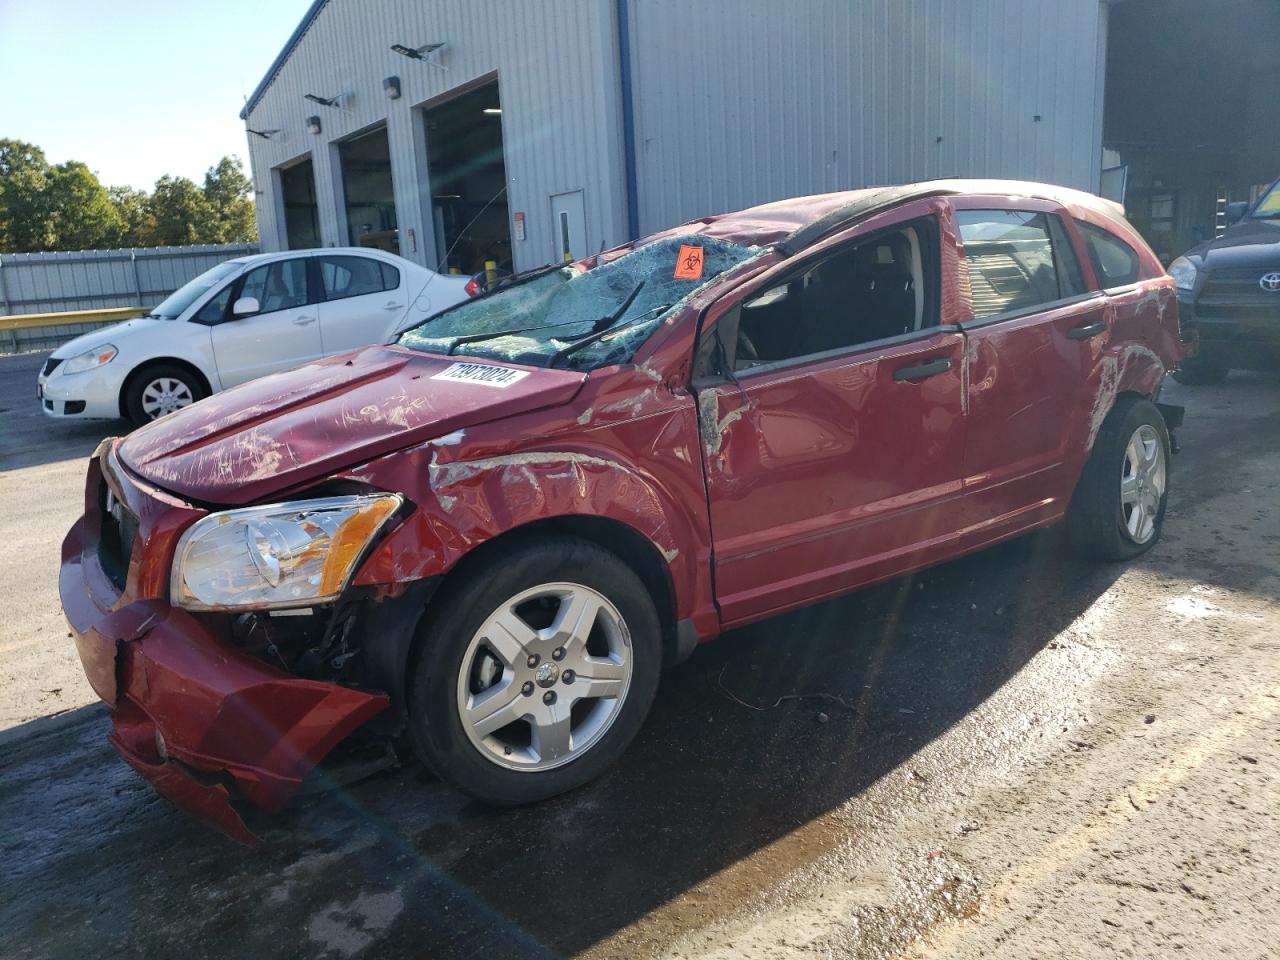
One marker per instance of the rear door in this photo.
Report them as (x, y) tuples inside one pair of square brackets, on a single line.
[(361, 300), (831, 420), (282, 334), (1034, 328)]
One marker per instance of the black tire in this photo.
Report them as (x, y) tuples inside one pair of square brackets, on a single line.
[(1096, 522), (459, 611), (1201, 371), (139, 380)]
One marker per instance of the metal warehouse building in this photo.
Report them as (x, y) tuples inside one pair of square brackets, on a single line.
[(527, 131)]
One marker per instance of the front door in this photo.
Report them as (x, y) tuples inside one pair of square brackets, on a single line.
[(282, 334), (1035, 324), (832, 442)]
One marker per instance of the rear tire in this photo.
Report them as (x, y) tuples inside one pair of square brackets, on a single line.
[(158, 389), (1201, 371), (1119, 504), (532, 704)]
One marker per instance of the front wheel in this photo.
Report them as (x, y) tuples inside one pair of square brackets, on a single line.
[(1119, 505), (534, 671), (159, 389)]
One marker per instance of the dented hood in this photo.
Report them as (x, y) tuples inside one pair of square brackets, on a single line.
[(287, 429)]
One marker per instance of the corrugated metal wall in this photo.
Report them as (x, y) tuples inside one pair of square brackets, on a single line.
[(736, 102), (92, 279), (556, 62), (750, 101)]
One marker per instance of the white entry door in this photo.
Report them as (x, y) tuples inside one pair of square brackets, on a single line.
[(569, 221)]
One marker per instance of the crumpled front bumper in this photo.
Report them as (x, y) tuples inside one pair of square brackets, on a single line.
[(205, 723)]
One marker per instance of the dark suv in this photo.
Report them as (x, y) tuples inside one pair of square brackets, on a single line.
[(1229, 291)]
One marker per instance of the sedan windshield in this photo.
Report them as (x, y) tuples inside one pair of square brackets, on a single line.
[(579, 318), (1268, 207), (173, 305)]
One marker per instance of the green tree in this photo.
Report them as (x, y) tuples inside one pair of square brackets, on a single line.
[(25, 223), (230, 196), (181, 212), (138, 225), (80, 210)]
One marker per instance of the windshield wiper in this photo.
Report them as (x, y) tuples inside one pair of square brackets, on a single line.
[(571, 348)]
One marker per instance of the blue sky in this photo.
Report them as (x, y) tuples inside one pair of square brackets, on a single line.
[(136, 88)]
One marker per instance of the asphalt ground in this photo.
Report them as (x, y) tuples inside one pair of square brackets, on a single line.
[(1016, 754)]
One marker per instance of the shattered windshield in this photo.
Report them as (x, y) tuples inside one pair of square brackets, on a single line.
[(581, 319)]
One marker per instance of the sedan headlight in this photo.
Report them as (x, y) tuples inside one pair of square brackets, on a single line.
[(90, 359), (1184, 273), (281, 555)]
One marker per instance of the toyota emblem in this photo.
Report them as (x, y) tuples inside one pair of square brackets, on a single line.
[(1270, 282)]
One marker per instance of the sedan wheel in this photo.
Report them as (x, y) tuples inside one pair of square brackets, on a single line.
[(158, 389), (1142, 483), (165, 395), (544, 677)]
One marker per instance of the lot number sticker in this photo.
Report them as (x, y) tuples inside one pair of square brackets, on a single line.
[(689, 263), (484, 374)]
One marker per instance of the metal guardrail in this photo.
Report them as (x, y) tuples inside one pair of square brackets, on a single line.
[(43, 331)]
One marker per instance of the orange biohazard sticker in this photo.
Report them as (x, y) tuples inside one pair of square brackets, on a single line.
[(689, 263)]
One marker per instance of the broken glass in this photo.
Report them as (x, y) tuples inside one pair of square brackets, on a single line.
[(535, 320)]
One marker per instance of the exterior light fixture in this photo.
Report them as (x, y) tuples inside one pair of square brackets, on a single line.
[(323, 101), (391, 87), (313, 125), (422, 53), (492, 111)]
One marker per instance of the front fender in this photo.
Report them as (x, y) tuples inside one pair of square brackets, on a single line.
[(642, 472)]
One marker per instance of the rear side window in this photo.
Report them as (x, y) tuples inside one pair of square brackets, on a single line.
[(342, 277), (1018, 260), (1115, 261)]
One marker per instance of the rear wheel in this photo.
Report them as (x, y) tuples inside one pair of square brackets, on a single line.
[(159, 389), (535, 672), (1119, 505), (1201, 371)]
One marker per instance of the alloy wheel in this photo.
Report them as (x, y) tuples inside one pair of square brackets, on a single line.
[(1142, 483), (544, 677)]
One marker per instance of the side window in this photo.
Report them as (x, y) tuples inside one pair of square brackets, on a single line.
[(215, 311), (343, 277), (277, 286), (1070, 277), (873, 289), (1017, 260), (1116, 262)]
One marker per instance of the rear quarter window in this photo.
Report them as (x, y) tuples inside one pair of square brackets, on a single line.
[(1115, 262)]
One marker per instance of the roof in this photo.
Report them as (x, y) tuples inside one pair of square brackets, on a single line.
[(794, 224), (284, 54)]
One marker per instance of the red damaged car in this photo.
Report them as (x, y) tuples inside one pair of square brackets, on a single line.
[(486, 539)]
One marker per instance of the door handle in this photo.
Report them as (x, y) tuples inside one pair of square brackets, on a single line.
[(924, 371), (303, 321), (1087, 331), (394, 306)]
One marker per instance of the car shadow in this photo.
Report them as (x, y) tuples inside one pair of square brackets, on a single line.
[(759, 733)]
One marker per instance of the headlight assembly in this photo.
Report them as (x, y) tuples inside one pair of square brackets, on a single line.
[(280, 555), (1184, 273), (90, 359)]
